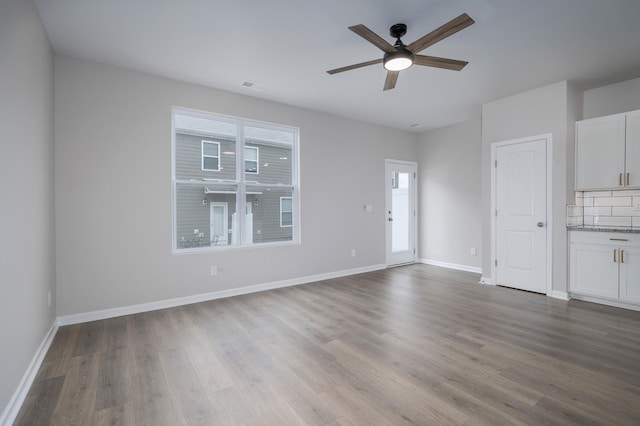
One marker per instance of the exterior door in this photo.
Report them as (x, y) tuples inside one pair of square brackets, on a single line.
[(400, 212), (219, 214), (521, 215)]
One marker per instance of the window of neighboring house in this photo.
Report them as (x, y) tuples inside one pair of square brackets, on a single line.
[(251, 159), (286, 212), (252, 200), (210, 156)]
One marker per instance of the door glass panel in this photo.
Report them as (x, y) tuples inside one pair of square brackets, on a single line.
[(401, 208)]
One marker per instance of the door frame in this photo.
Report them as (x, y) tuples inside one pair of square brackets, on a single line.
[(549, 190), (414, 203)]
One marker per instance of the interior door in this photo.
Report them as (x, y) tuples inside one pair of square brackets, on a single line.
[(400, 212), (521, 215)]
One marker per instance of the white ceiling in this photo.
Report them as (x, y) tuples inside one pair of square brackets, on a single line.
[(287, 45)]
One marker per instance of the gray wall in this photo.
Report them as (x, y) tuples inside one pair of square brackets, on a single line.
[(26, 183), (100, 205), (548, 109), (612, 99), (449, 196)]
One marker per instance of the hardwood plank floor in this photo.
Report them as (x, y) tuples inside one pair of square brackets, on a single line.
[(410, 345)]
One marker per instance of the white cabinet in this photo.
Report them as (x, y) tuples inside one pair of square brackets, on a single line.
[(608, 152), (605, 265), (630, 275)]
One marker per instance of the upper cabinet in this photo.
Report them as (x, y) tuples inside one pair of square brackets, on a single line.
[(608, 152)]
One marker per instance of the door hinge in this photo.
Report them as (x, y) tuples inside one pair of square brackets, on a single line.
[(414, 250), (414, 175), (495, 163), (496, 262), (496, 213)]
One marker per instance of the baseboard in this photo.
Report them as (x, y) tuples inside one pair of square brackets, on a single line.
[(451, 265), (603, 301), (170, 303), (16, 401), (562, 295), (487, 281)]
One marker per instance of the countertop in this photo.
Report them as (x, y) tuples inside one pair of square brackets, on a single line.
[(624, 229)]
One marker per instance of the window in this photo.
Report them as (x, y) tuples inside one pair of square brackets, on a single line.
[(251, 159), (286, 212), (235, 182), (210, 156)]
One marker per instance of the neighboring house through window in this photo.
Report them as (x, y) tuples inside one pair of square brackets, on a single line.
[(235, 182)]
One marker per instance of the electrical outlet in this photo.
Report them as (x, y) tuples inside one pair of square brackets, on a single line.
[(636, 204), (473, 251), (214, 270), (353, 252), (49, 298)]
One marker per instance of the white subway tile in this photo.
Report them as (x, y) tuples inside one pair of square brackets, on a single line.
[(627, 193), (598, 211), (588, 220), (624, 211), (587, 201), (612, 221), (597, 194), (612, 201)]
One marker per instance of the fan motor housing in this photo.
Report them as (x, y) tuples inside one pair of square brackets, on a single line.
[(398, 30)]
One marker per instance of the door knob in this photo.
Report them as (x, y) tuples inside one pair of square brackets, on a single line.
[(540, 225), (390, 219)]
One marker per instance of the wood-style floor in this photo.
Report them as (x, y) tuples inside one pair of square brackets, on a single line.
[(415, 344)]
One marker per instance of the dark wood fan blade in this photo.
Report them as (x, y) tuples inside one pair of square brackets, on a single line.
[(372, 38), (390, 82), (451, 27), (353, 67), (432, 61)]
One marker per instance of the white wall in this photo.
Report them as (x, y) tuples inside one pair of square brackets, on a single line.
[(545, 110), (449, 197), (113, 191), (612, 99), (26, 183)]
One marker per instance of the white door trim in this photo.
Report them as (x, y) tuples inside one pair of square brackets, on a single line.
[(414, 201), (494, 151)]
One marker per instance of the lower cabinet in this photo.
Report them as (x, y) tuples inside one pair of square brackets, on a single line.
[(605, 265)]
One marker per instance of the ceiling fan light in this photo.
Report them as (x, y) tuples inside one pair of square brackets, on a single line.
[(398, 61)]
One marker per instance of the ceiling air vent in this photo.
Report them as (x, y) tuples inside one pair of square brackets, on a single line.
[(254, 86)]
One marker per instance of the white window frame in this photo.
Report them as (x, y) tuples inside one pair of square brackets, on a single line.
[(242, 182), (209, 156), (257, 149), (283, 211)]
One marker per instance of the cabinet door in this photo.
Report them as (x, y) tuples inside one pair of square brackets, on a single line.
[(630, 274), (593, 270), (600, 152), (633, 150)]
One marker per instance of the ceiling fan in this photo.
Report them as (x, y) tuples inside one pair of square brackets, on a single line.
[(400, 57)]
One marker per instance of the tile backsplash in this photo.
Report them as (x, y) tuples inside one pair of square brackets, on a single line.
[(605, 208)]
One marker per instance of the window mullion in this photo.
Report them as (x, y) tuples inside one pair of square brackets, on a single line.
[(242, 190)]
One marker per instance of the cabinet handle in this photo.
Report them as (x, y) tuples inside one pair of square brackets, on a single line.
[(614, 256), (620, 180), (628, 178), (621, 256), (618, 239)]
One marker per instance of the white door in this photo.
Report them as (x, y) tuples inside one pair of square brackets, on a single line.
[(400, 212), (219, 214), (521, 215)]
